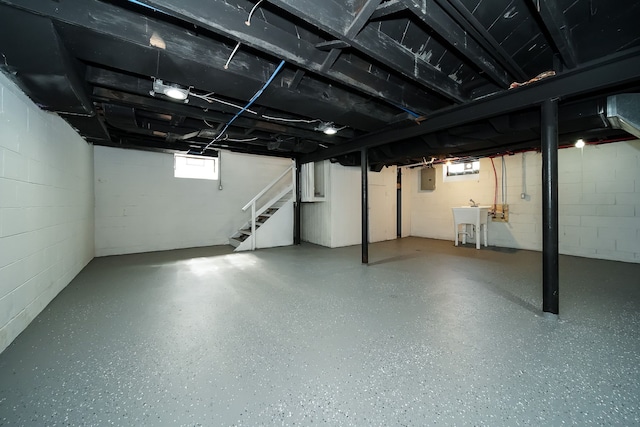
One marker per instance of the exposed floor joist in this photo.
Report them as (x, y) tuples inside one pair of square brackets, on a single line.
[(229, 22), (362, 68), (617, 70), (551, 15)]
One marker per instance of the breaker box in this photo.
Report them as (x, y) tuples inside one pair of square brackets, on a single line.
[(427, 179)]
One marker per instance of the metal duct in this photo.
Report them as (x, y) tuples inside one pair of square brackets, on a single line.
[(122, 117), (623, 112)]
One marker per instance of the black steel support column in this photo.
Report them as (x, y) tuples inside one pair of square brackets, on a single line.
[(399, 204), (550, 271), (365, 205), (297, 207)]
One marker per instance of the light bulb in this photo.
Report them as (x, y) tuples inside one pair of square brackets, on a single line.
[(175, 93), (327, 128), (580, 143)]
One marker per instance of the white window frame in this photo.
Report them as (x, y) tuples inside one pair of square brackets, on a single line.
[(195, 167), (472, 172), (313, 177)]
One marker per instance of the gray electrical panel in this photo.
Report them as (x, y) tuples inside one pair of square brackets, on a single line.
[(427, 179)]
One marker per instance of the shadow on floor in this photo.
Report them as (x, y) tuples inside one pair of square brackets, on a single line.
[(398, 258), (490, 248), (159, 257), (503, 293)]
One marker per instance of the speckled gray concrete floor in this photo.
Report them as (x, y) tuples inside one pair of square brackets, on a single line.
[(427, 334)]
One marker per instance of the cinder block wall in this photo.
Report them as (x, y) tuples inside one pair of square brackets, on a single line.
[(46, 208), (599, 201), (141, 207)]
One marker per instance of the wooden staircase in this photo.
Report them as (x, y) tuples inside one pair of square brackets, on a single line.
[(270, 224)]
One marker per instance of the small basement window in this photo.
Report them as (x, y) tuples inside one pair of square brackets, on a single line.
[(195, 167), (462, 171)]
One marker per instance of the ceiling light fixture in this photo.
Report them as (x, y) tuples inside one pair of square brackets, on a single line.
[(328, 128), (172, 90), (580, 143), (330, 131), (176, 93)]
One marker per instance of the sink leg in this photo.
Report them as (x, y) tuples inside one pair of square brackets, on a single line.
[(485, 236), (456, 227)]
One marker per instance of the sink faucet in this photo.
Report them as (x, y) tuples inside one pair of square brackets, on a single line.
[(473, 204)]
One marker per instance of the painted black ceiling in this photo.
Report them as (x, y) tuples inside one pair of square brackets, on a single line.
[(405, 78)]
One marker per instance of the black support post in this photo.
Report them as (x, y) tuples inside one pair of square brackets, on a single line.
[(365, 206), (550, 271), (297, 206), (399, 203)]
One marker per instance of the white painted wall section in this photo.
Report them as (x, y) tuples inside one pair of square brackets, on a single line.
[(336, 222), (277, 230), (46, 208), (599, 202), (346, 206), (141, 207), (315, 217), (383, 205), (408, 186)]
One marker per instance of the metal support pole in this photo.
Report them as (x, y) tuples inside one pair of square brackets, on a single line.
[(399, 203), (550, 271), (365, 206), (297, 207), (253, 226)]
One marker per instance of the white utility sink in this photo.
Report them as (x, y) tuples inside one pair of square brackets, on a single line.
[(474, 216)]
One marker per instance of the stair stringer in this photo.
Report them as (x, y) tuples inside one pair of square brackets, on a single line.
[(276, 231)]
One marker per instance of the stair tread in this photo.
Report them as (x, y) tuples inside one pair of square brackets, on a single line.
[(245, 232)]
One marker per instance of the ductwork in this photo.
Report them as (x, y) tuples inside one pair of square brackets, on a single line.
[(623, 112)]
